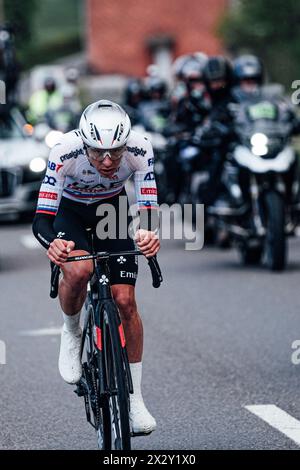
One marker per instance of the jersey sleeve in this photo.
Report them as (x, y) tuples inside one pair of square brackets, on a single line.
[(144, 178), (53, 182), (51, 192)]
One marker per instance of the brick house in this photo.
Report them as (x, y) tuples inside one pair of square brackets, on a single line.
[(125, 36)]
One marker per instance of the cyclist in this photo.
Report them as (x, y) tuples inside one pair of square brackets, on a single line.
[(88, 167)]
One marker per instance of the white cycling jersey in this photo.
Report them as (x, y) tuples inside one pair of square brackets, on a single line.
[(71, 175)]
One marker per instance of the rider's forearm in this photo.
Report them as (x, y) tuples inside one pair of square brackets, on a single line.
[(149, 219), (42, 228)]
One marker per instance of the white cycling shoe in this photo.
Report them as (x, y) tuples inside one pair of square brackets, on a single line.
[(141, 421), (69, 363)]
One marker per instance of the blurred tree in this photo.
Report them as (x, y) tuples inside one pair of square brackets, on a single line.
[(20, 15), (44, 30), (270, 29)]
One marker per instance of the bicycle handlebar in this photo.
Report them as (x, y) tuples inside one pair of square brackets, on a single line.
[(153, 264)]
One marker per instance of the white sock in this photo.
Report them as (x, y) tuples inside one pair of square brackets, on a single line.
[(72, 322), (136, 374)]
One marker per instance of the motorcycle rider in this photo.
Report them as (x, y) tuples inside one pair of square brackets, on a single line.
[(179, 90), (248, 76), (155, 109), (134, 95), (188, 112), (194, 106), (216, 132)]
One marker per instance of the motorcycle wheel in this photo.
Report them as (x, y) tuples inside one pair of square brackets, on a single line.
[(275, 241)]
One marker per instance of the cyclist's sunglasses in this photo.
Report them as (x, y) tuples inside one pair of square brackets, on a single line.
[(99, 155)]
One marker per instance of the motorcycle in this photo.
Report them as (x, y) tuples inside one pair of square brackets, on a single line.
[(261, 180)]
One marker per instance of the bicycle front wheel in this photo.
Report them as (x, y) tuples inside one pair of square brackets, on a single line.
[(116, 377)]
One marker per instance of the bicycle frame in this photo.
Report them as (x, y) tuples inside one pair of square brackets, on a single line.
[(99, 288)]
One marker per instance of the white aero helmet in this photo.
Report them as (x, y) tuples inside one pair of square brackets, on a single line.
[(104, 125)]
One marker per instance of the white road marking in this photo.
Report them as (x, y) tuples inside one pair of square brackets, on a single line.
[(42, 332), (278, 419), (30, 242)]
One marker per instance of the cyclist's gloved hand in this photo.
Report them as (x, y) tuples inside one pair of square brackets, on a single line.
[(148, 242), (59, 250)]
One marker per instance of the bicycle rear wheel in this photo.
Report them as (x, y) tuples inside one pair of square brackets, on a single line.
[(116, 376)]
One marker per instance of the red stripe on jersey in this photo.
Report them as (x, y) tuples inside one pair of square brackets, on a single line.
[(45, 212), (142, 207)]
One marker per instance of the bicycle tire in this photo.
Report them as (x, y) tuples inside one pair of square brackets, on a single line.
[(115, 371), (101, 414)]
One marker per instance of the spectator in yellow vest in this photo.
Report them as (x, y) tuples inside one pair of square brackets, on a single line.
[(42, 101)]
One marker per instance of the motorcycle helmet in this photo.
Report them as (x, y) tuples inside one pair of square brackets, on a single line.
[(218, 76), (248, 67), (155, 88), (134, 92)]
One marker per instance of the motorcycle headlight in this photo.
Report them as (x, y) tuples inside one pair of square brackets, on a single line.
[(259, 139), (53, 138), (259, 144), (37, 165)]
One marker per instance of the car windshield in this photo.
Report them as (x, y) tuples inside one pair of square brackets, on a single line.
[(9, 129)]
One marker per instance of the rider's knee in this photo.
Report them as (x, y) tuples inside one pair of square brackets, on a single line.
[(125, 300), (78, 275)]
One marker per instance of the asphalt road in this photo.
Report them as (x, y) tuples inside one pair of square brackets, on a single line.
[(217, 339)]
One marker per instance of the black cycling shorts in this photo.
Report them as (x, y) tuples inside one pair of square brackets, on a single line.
[(73, 218)]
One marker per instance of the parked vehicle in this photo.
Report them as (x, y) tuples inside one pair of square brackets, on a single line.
[(23, 162)]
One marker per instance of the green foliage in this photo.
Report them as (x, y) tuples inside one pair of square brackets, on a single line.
[(20, 15), (45, 30), (270, 29)]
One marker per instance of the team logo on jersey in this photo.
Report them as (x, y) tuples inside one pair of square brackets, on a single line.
[(149, 191), (60, 234), (96, 188), (146, 204), (121, 260), (46, 195), (87, 181), (137, 151), (54, 166), (73, 154), (149, 176), (49, 180)]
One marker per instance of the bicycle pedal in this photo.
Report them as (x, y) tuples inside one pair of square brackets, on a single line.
[(80, 389)]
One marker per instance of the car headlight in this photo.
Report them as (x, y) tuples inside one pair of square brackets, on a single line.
[(259, 144), (53, 138), (37, 165)]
